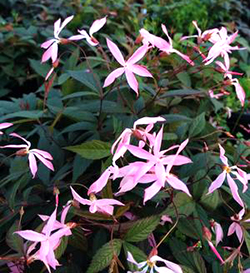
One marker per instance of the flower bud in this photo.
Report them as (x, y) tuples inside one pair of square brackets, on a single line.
[(206, 233)]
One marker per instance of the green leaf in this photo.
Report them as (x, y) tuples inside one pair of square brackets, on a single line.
[(183, 203), (181, 92), (197, 125), (14, 241), (137, 253), (184, 78), (62, 247), (247, 240), (210, 201), (104, 256), (86, 78), (141, 229), (39, 68), (78, 239), (94, 149)]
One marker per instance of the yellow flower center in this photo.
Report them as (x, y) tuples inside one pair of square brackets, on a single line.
[(150, 264), (227, 169)]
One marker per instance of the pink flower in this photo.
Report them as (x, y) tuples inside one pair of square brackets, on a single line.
[(207, 35), (4, 126), (236, 225), (150, 264), (162, 44), (129, 67), (43, 156), (240, 175), (102, 205), (217, 229), (96, 26), (143, 134), (52, 44), (48, 242), (222, 47)]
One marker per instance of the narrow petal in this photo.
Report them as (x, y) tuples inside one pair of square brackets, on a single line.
[(49, 73), (43, 153), (132, 81), (239, 232), (48, 43), (177, 184), (32, 165), (46, 162), (151, 191), (219, 233), (78, 198), (138, 54), (140, 70), (138, 152), (176, 160), (239, 91), (57, 27), (22, 138), (174, 267), (232, 228), (54, 52), (158, 141), (64, 23), (222, 155), (107, 201), (183, 56), (100, 183), (217, 182), (76, 37), (51, 222), (113, 75), (166, 32), (31, 235), (148, 120), (234, 190), (160, 173), (116, 52), (97, 25)]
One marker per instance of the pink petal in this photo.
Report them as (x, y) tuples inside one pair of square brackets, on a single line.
[(176, 160), (239, 91), (138, 54), (148, 120), (215, 252), (64, 213), (160, 173), (43, 153), (100, 183), (51, 222), (46, 162), (79, 199), (151, 191), (232, 228), (113, 75), (239, 233), (218, 233), (14, 146), (140, 70), (57, 27), (54, 52), (183, 56), (48, 43), (177, 184), (31, 235), (49, 73), (158, 141), (234, 190), (5, 125), (222, 155), (106, 201), (132, 81), (166, 32), (138, 152), (76, 37), (64, 23), (32, 165), (47, 54), (217, 182), (22, 138), (97, 25), (116, 52), (174, 267)]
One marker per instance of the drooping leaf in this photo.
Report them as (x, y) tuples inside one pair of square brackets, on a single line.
[(104, 256), (197, 125), (62, 247), (14, 241), (141, 229), (94, 149)]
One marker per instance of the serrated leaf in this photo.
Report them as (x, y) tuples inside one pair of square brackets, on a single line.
[(94, 149), (13, 240), (141, 229), (104, 256), (197, 125)]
